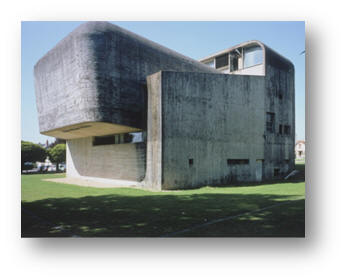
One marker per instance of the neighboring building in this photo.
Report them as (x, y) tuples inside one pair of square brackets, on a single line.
[(133, 110), (300, 149)]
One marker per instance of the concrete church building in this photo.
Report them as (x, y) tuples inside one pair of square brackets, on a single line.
[(134, 111)]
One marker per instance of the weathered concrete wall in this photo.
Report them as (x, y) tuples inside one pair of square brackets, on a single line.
[(280, 100), (98, 74), (118, 161), (257, 70), (209, 118)]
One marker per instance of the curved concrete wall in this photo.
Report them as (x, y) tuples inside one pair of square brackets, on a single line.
[(118, 161), (98, 74)]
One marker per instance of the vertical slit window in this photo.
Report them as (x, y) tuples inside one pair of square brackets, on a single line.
[(234, 61), (270, 122)]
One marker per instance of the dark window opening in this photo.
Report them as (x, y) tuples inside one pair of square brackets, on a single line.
[(134, 137), (104, 140), (276, 171), (222, 61), (280, 94), (234, 61), (237, 161), (287, 129), (280, 130), (270, 122), (191, 161)]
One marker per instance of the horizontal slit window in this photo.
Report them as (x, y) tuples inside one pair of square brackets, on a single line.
[(76, 128), (104, 140), (237, 161), (134, 137)]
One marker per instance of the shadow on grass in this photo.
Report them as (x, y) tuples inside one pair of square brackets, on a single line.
[(157, 215), (282, 220)]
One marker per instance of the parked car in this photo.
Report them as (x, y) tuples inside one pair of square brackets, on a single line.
[(52, 168), (62, 167), (34, 170)]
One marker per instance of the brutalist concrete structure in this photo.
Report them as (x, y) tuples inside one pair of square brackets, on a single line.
[(136, 111)]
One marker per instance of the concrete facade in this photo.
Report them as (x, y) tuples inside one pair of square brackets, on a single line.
[(199, 126), (279, 100), (196, 144)]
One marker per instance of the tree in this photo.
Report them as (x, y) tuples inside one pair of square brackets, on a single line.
[(56, 142), (57, 154), (31, 152)]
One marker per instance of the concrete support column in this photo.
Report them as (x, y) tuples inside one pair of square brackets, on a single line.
[(153, 178)]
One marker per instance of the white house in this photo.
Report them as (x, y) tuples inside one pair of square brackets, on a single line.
[(300, 149)]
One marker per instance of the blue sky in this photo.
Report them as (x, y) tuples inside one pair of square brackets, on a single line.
[(193, 39)]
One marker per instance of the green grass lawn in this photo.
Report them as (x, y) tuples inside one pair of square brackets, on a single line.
[(51, 209)]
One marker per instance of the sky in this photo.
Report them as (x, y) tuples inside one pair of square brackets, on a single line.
[(193, 39)]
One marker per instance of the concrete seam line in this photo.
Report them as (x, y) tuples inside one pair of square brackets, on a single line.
[(227, 218)]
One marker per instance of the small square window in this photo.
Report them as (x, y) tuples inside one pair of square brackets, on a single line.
[(191, 162), (276, 172), (280, 95)]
